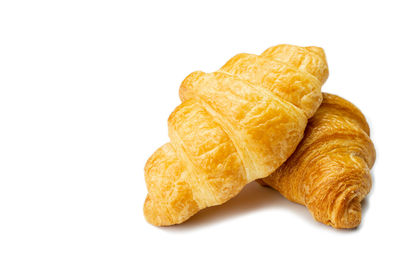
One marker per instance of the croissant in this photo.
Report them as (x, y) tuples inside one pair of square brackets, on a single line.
[(233, 126), (329, 172)]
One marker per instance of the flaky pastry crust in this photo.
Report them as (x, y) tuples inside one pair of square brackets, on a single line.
[(234, 125), (329, 172)]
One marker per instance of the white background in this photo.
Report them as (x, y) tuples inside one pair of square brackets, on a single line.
[(86, 88)]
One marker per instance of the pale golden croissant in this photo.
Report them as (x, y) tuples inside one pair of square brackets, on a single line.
[(329, 172), (234, 126)]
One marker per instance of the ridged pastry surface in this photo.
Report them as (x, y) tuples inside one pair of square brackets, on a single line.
[(234, 125), (329, 172)]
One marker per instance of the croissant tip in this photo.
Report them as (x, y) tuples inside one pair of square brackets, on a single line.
[(351, 217), (317, 50), (147, 211)]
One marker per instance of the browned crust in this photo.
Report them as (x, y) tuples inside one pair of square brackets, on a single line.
[(234, 126), (330, 170)]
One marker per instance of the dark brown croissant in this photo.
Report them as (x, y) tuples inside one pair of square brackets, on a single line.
[(329, 172)]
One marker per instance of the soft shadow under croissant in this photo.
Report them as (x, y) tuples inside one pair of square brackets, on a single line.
[(329, 172)]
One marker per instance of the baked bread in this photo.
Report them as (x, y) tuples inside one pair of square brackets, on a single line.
[(234, 125), (329, 172)]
